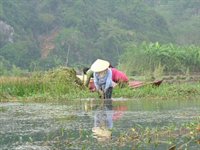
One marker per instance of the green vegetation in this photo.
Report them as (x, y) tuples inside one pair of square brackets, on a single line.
[(141, 37), (153, 39), (164, 91), (59, 84), (38, 35), (62, 84), (160, 137), (155, 57), (182, 17)]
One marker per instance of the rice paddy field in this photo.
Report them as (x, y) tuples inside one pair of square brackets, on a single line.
[(126, 124), (53, 110)]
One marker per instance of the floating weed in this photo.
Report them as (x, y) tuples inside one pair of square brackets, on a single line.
[(168, 136), (66, 118)]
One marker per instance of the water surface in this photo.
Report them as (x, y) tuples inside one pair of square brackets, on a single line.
[(138, 124)]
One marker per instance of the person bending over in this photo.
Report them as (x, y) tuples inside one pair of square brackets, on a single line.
[(118, 77), (102, 78)]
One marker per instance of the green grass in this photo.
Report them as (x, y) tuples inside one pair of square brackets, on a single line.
[(58, 84), (62, 84), (164, 91), (44, 91)]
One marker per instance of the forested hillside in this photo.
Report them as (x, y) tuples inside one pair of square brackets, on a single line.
[(183, 18), (40, 34)]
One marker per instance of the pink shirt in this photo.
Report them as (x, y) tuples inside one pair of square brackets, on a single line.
[(118, 76)]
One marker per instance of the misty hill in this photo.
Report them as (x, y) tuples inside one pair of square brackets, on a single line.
[(183, 18), (48, 33)]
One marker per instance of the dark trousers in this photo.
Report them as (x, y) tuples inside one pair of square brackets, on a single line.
[(108, 93)]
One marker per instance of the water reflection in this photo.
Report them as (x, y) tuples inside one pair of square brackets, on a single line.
[(131, 124), (103, 121)]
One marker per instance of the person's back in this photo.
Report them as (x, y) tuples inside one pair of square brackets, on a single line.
[(118, 76)]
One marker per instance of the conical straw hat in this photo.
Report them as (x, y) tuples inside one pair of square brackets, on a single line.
[(99, 65)]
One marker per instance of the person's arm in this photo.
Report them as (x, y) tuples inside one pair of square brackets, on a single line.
[(101, 93), (108, 80), (89, 75)]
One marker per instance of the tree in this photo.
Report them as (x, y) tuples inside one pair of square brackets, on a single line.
[(111, 38)]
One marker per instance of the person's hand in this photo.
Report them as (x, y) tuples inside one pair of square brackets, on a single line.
[(105, 90), (101, 93), (114, 84)]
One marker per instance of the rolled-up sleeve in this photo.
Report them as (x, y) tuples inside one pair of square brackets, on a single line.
[(96, 81)]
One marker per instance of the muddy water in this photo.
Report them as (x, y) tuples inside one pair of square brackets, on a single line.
[(139, 124)]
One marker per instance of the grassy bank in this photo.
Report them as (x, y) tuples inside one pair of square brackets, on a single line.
[(164, 91), (60, 83), (45, 88), (34, 91)]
